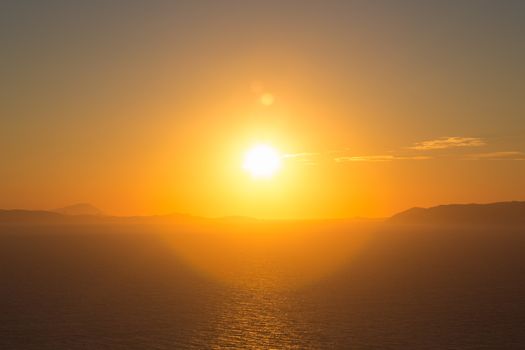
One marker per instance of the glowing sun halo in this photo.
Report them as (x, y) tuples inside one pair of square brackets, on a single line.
[(262, 161)]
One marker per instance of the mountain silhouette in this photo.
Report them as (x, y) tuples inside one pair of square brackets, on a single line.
[(79, 209), (493, 214), (19, 216), (87, 214)]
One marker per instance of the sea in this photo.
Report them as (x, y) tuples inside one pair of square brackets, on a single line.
[(245, 287)]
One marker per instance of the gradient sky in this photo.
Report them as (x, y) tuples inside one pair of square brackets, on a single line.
[(144, 107)]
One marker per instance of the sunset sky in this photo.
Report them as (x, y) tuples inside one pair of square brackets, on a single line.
[(149, 107)]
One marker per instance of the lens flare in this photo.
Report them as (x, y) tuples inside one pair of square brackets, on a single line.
[(267, 99)]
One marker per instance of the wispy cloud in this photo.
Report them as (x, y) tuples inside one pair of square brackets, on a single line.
[(502, 155), (449, 142), (418, 153), (378, 158), (301, 155)]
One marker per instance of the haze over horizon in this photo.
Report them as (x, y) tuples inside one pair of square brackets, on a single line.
[(508, 207)]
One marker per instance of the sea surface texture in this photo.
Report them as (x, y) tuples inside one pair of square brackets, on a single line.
[(96, 287)]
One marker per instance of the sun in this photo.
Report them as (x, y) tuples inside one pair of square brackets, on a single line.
[(262, 161)]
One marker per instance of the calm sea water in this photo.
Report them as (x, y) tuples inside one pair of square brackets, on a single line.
[(129, 288)]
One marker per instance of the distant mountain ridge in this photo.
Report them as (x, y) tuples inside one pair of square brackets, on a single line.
[(29, 216), (79, 209), (37, 217), (499, 214), (493, 214)]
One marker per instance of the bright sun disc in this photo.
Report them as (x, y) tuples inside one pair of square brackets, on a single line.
[(262, 161)]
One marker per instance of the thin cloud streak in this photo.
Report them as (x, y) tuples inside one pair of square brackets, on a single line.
[(378, 158), (301, 155), (502, 155), (449, 142), (310, 158), (442, 143)]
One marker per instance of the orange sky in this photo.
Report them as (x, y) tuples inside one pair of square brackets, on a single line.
[(377, 107)]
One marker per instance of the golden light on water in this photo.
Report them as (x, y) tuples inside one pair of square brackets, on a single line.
[(262, 161), (266, 256)]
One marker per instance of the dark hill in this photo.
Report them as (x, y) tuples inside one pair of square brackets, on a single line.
[(19, 216), (37, 217), (493, 214), (79, 209)]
